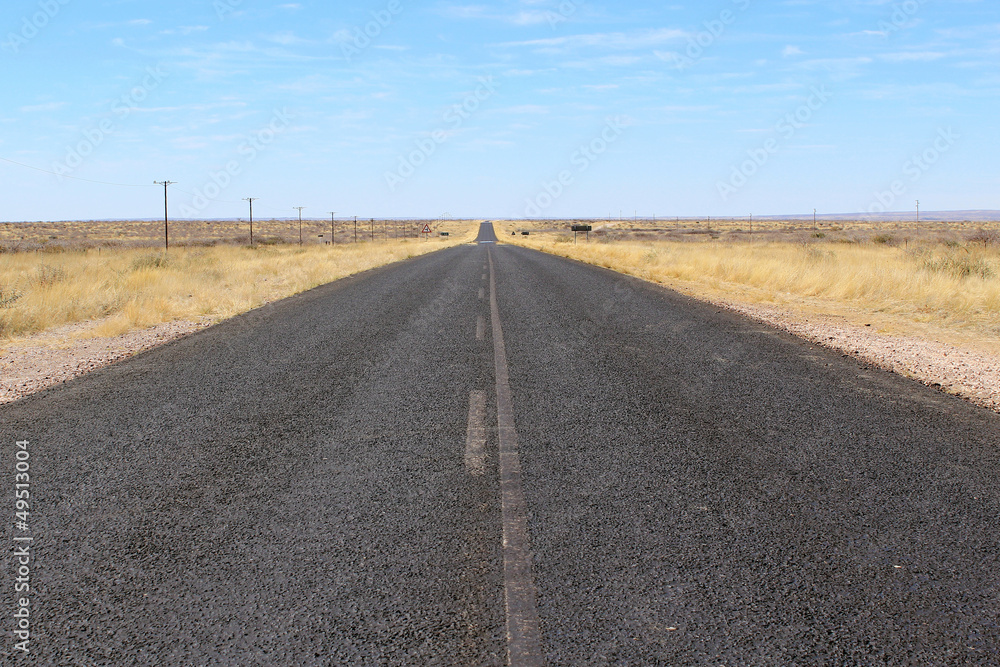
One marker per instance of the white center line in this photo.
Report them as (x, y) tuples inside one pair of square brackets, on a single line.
[(475, 435), (524, 640), (480, 328)]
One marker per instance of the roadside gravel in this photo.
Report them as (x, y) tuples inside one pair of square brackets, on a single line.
[(55, 356), (975, 376)]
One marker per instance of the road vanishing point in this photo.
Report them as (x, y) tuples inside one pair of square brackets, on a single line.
[(489, 455)]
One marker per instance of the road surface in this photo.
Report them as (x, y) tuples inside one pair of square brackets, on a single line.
[(490, 454)]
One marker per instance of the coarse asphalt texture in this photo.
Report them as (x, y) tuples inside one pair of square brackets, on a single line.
[(292, 487)]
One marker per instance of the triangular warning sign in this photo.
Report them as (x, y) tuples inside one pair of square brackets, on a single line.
[(427, 229)]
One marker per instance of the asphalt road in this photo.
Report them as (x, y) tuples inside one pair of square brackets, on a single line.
[(319, 482)]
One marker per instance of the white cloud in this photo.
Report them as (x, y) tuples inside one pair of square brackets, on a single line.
[(526, 109), (185, 30), (633, 41), (911, 56), (524, 17), (791, 50), (286, 38), (41, 108)]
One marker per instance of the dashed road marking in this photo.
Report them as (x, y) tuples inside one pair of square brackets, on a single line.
[(480, 328), (482, 294), (475, 435), (524, 640)]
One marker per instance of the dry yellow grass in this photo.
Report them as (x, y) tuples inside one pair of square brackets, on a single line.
[(76, 235), (126, 289), (802, 230), (934, 290)]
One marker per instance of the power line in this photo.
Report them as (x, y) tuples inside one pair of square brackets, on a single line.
[(75, 178), (214, 201)]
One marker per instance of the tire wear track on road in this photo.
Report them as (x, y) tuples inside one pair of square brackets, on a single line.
[(524, 644), (705, 490), (286, 488)]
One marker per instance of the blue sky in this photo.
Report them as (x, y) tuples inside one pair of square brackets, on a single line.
[(515, 108)]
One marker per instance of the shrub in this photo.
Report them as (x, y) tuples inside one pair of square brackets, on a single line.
[(986, 237), (960, 266), (149, 262), (8, 297), (47, 275)]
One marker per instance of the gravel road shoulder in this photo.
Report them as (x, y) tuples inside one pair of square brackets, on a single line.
[(47, 359), (972, 375), (31, 364)]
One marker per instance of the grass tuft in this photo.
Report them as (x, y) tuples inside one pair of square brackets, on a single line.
[(8, 297), (46, 275), (149, 262), (960, 266)]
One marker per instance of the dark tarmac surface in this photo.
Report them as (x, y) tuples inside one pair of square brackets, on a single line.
[(291, 487)]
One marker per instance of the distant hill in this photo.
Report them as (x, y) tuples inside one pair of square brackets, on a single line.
[(928, 216)]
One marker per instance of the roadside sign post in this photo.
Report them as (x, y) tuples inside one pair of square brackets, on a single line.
[(581, 228)]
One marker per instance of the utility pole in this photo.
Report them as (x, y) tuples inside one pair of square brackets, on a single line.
[(814, 217), (300, 222), (166, 224), (373, 230), (918, 211), (251, 200), (333, 228)]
